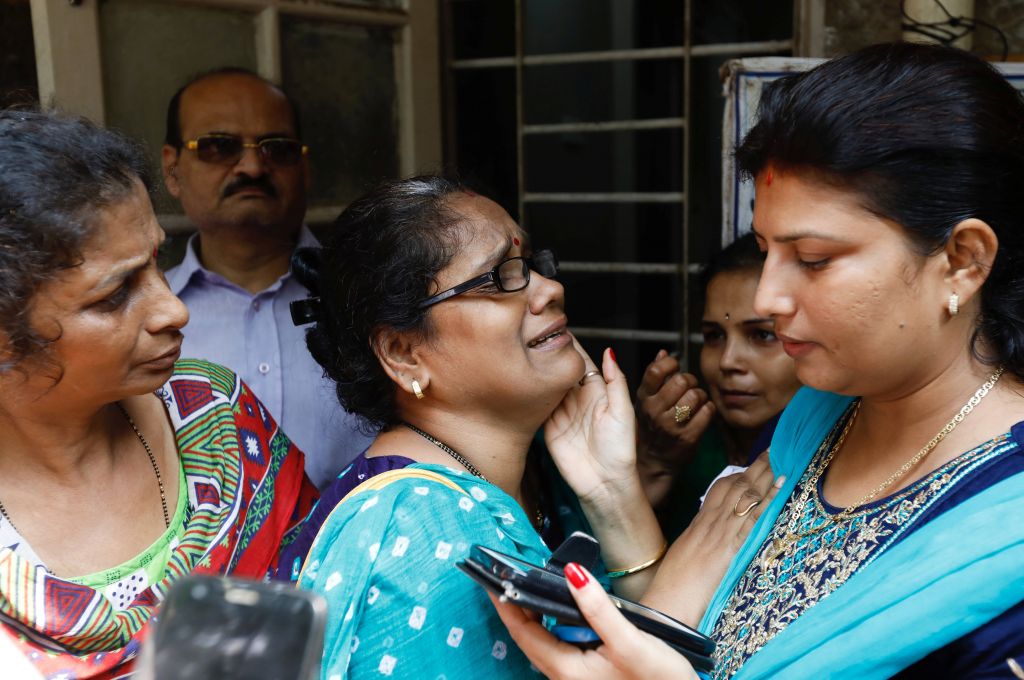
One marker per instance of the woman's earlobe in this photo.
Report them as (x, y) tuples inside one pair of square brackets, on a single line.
[(398, 357), (970, 253)]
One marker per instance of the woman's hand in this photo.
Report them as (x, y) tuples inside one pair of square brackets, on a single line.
[(672, 415), (592, 434), (697, 561), (592, 439), (627, 651)]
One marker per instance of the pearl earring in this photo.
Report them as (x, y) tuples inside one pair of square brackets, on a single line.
[(954, 304)]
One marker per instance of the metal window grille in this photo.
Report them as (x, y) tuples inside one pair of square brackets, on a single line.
[(681, 267)]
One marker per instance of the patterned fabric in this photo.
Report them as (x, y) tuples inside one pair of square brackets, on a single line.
[(361, 469), (120, 584), (246, 493), (254, 335), (946, 572), (397, 606), (776, 591)]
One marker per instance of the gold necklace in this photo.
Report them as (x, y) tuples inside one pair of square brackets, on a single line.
[(780, 546)]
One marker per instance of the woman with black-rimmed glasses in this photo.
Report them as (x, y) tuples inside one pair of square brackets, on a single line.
[(441, 327)]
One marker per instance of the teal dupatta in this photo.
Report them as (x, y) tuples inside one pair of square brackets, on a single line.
[(947, 578), (397, 606)]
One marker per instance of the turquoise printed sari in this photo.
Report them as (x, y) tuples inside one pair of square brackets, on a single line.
[(952, 575), (397, 606)]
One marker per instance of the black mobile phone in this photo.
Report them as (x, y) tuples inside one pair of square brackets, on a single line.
[(546, 591), (214, 627)]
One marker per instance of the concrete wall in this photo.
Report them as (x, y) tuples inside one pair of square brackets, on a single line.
[(852, 24)]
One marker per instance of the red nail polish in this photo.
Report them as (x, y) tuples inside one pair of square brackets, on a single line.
[(611, 353), (576, 575)]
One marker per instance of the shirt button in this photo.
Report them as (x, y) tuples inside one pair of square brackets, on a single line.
[(264, 368), (256, 305)]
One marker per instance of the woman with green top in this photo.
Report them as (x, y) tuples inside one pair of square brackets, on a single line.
[(122, 468), (688, 436)]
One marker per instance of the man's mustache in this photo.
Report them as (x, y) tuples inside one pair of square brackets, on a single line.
[(244, 182)]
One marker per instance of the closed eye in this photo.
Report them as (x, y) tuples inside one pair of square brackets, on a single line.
[(814, 264), (115, 300)]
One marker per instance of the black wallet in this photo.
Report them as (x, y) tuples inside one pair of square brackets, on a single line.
[(545, 590)]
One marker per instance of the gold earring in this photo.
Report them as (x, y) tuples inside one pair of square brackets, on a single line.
[(954, 304), (416, 389)]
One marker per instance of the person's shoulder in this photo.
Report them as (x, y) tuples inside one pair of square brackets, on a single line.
[(410, 485), (412, 498), (198, 376)]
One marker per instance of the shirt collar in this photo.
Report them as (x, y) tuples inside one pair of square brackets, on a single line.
[(179, 277)]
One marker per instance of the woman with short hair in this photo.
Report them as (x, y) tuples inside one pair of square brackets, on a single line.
[(122, 468)]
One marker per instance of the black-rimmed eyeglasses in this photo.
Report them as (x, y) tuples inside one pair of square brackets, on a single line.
[(222, 149), (509, 276)]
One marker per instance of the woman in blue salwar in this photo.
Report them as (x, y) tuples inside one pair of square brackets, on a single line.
[(889, 204), (441, 326)]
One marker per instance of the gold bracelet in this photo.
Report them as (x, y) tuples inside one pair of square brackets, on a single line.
[(619, 573)]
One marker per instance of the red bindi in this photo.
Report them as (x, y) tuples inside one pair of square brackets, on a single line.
[(515, 241), (768, 179)]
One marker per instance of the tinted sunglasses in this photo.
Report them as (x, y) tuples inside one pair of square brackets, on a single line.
[(228, 149)]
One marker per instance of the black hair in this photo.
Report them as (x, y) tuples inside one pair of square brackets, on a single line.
[(57, 173), (741, 255), (381, 261), (172, 131), (923, 135)]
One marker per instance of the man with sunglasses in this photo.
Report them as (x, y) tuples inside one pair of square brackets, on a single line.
[(234, 159)]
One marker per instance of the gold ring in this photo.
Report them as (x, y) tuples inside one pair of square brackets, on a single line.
[(587, 375), (683, 414), (753, 504)]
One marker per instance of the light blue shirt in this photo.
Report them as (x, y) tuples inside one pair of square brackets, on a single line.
[(254, 336)]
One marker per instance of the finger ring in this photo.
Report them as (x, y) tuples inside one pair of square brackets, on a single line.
[(587, 375), (753, 504), (683, 413)]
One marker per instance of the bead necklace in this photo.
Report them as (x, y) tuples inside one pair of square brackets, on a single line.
[(780, 546), (152, 461), (538, 520), (447, 449)]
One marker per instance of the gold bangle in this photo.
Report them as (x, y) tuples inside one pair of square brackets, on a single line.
[(619, 573)]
